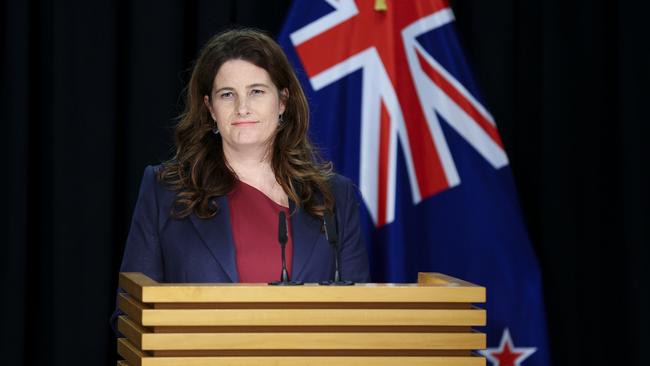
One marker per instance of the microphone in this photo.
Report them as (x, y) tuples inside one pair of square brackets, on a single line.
[(331, 234), (283, 237)]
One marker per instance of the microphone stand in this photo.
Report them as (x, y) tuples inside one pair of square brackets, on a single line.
[(283, 237), (331, 234)]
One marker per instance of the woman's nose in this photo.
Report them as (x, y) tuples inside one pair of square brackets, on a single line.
[(242, 106)]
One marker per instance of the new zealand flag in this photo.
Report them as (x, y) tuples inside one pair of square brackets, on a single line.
[(395, 107)]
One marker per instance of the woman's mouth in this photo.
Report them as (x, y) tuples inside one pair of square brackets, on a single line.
[(243, 123)]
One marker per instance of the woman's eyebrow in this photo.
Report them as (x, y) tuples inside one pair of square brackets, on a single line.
[(258, 85), (223, 88)]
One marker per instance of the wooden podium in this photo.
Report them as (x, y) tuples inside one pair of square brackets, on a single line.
[(428, 323)]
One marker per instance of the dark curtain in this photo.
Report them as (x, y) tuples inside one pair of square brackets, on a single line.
[(90, 90), (567, 82), (89, 93)]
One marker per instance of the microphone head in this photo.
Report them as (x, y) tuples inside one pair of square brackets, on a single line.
[(282, 228), (330, 227)]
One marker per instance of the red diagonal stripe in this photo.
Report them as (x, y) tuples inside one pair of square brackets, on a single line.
[(382, 30), (460, 100), (384, 158)]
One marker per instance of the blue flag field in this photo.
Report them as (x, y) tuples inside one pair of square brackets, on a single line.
[(395, 107)]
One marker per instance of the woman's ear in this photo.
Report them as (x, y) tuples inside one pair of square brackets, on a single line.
[(206, 101), (284, 96)]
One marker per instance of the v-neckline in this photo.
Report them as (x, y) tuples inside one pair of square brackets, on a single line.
[(263, 194)]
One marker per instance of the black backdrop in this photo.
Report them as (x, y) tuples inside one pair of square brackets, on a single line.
[(90, 89)]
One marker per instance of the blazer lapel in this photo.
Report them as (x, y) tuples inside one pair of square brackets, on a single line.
[(305, 230), (216, 233)]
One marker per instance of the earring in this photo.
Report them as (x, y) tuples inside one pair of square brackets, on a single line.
[(280, 120), (215, 129)]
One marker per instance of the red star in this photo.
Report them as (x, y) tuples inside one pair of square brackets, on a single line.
[(507, 354), (506, 357)]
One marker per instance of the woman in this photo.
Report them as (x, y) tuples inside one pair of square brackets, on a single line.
[(242, 157)]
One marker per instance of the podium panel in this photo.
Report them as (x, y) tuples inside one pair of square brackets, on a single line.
[(427, 323)]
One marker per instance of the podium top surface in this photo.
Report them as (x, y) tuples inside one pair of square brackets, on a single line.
[(431, 288)]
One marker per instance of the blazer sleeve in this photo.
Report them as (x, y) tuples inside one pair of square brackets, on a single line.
[(353, 255), (142, 252)]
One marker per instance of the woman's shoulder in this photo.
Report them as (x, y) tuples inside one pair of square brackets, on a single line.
[(151, 185), (341, 185), (338, 180), (150, 177), (153, 175)]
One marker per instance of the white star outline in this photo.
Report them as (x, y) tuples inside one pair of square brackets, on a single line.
[(506, 339)]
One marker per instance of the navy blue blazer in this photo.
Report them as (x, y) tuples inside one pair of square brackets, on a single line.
[(202, 250)]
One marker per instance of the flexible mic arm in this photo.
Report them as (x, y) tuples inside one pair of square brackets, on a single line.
[(333, 238), (331, 234), (282, 239)]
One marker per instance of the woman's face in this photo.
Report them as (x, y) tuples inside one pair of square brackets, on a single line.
[(245, 103)]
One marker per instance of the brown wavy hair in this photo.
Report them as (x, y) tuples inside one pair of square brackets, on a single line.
[(199, 171)]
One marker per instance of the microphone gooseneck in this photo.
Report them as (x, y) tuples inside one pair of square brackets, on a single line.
[(332, 237), (331, 234), (283, 237)]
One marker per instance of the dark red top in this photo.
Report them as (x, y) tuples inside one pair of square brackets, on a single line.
[(254, 221)]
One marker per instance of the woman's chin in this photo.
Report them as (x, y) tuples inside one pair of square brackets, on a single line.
[(248, 142)]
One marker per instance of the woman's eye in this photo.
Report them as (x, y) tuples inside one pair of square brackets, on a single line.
[(225, 95), (257, 91)]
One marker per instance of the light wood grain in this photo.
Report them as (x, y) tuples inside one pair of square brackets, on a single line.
[(148, 291), (129, 352), (137, 358), (440, 279), (134, 283), (146, 316), (146, 340), (242, 341), (132, 331), (319, 361), (131, 307), (313, 317), (427, 323)]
